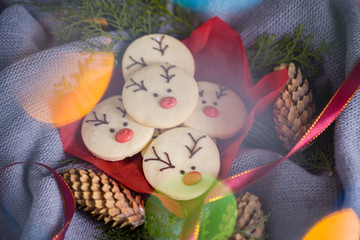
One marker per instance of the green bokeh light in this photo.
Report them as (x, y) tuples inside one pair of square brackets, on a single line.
[(217, 218)]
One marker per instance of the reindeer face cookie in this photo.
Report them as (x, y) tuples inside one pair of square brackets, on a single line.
[(111, 134), (220, 112), (182, 163), (160, 95), (156, 48)]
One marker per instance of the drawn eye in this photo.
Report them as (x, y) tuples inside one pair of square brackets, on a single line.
[(215, 103), (169, 90), (125, 124), (112, 130), (203, 102), (156, 95), (193, 168), (182, 172)]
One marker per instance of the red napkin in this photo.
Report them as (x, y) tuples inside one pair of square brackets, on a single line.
[(219, 57)]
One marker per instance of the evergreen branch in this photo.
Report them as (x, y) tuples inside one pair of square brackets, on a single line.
[(125, 233), (320, 154), (83, 20), (252, 228), (316, 157), (71, 161), (269, 51)]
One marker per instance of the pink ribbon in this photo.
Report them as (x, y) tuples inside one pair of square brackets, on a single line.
[(67, 197), (335, 106)]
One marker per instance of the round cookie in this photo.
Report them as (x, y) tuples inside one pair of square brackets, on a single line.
[(219, 112), (156, 48), (160, 95), (111, 134), (182, 163)]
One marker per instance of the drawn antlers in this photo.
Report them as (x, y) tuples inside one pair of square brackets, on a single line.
[(98, 121), (194, 150), (166, 70), (140, 86), (122, 109), (221, 92), (142, 63), (168, 162), (161, 48)]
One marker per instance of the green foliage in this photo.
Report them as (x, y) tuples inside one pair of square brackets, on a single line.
[(244, 232), (320, 154), (269, 51), (130, 19), (125, 233), (72, 161)]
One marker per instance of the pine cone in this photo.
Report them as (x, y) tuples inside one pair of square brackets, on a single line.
[(293, 108), (105, 198), (249, 215)]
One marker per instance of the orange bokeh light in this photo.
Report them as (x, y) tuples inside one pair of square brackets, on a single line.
[(71, 91), (344, 225)]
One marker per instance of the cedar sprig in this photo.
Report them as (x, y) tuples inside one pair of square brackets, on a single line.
[(125, 233), (261, 222), (320, 154), (166, 222), (270, 51), (72, 161), (129, 19)]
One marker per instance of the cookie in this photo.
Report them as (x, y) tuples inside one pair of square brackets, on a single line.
[(156, 48), (111, 134), (182, 163), (160, 95), (219, 112)]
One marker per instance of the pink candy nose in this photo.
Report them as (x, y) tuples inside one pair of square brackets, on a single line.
[(124, 135), (210, 111), (168, 102)]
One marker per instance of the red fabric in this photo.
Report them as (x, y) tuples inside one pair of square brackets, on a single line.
[(219, 57)]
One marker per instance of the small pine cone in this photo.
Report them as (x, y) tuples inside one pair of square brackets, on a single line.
[(293, 108), (249, 215), (105, 198)]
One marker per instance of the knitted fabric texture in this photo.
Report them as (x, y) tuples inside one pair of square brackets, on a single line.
[(31, 205)]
